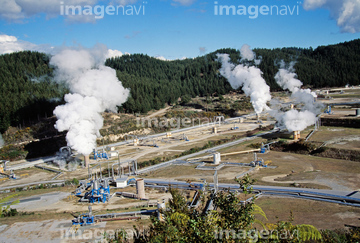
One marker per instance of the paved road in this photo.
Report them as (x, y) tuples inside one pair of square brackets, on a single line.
[(31, 184), (178, 131), (30, 163), (225, 145), (350, 198)]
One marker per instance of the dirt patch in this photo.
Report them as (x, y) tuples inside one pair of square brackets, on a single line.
[(336, 153), (188, 172)]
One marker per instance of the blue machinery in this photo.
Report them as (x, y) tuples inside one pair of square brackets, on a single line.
[(100, 192), (257, 161), (100, 155), (90, 219), (328, 110), (84, 219)]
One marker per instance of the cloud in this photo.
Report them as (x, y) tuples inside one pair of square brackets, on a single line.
[(17, 10), (183, 2), (202, 50), (345, 12), (162, 58), (81, 19), (10, 44)]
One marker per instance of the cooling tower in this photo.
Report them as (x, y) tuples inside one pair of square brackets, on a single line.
[(86, 160), (140, 188)]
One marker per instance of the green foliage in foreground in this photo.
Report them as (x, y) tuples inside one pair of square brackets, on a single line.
[(232, 220), (6, 211)]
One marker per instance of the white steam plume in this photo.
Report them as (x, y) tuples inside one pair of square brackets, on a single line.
[(295, 120), (250, 79), (247, 54), (95, 88)]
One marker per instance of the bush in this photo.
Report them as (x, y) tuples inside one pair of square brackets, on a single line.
[(75, 181)]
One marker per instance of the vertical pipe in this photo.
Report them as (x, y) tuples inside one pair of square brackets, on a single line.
[(100, 172), (112, 168), (86, 160)]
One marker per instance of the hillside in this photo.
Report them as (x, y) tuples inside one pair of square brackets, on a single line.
[(28, 93), (154, 82)]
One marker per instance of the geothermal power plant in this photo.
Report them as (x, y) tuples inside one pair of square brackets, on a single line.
[(130, 179)]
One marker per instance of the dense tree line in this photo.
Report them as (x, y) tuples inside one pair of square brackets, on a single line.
[(28, 93), (154, 83)]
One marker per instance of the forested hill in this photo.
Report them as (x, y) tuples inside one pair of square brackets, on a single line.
[(154, 82), (27, 92)]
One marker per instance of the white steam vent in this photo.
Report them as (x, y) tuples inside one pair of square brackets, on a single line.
[(94, 89), (296, 120), (248, 78)]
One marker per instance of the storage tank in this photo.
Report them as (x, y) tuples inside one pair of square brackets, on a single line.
[(95, 185), (217, 158)]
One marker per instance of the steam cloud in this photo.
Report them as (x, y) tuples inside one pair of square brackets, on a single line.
[(247, 54), (95, 88), (247, 77), (295, 120)]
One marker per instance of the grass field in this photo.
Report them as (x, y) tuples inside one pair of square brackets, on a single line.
[(321, 215), (338, 137)]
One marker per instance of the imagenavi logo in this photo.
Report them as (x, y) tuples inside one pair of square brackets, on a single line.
[(253, 11)]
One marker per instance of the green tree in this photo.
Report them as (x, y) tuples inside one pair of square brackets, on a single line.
[(6, 211), (233, 212)]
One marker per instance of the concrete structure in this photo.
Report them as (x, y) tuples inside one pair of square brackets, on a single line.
[(121, 182), (214, 130), (217, 158), (136, 141), (140, 189), (86, 160), (296, 135), (168, 134)]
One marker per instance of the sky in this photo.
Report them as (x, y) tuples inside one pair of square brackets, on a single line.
[(175, 29)]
